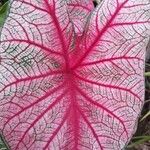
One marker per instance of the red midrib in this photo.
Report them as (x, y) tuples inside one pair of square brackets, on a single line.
[(75, 117), (74, 114)]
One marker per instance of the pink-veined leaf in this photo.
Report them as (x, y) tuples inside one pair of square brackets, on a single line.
[(79, 11), (56, 94)]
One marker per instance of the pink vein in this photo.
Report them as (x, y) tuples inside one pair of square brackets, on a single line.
[(35, 44), (31, 78), (109, 59), (41, 115), (102, 107), (129, 23), (135, 5), (108, 86)]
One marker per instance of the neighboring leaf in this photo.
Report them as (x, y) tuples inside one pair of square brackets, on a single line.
[(3, 145), (57, 96), (145, 116), (79, 11), (147, 74), (139, 140)]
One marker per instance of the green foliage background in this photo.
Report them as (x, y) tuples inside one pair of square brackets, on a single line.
[(3, 10)]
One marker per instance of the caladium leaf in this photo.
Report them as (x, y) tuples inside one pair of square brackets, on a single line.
[(58, 92)]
